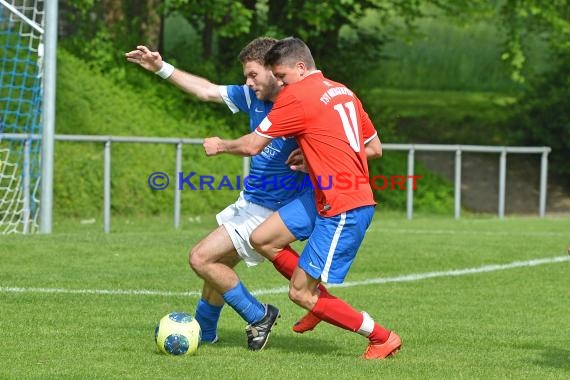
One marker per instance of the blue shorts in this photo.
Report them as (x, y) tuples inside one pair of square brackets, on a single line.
[(332, 247), (299, 215)]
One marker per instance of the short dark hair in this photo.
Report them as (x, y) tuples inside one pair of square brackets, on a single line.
[(289, 51), (256, 50)]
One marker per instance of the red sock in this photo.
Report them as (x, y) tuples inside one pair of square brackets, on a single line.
[(379, 335), (338, 313), (324, 291), (286, 262)]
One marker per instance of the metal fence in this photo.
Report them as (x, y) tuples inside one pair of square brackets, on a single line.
[(502, 151), (458, 150)]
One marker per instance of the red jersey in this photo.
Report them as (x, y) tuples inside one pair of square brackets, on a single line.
[(331, 128)]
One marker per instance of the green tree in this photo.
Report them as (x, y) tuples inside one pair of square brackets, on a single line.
[(331, 29), (95, 30), (215, 19), (542, 115)]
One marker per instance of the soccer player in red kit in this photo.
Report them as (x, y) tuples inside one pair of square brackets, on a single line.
[(329, 123)]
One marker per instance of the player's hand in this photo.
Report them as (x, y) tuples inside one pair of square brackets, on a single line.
[(149, 60), (212, 145), (296, 161)]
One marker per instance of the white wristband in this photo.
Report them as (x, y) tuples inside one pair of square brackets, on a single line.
[(165, 71)]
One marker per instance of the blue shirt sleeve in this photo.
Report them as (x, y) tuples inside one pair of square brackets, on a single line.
[(237, 98)]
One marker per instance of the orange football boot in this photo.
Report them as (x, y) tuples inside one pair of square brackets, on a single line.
[(381, 351), (307, 323)]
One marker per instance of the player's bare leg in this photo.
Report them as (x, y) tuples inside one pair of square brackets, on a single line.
[(209, 257), (271, 239), (210, 305), (213, 259), (208, 292), (303, 289)]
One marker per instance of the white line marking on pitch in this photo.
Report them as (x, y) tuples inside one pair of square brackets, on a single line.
[(466, 232), (284, 289)]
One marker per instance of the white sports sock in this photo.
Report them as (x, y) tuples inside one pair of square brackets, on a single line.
[(367, 325)]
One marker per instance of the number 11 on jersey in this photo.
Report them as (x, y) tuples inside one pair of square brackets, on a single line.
[(350, 125)]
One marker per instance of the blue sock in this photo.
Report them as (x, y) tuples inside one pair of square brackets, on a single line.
[(207, 316), (244, 303)]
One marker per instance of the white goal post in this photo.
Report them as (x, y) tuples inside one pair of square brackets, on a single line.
[(28, 39)]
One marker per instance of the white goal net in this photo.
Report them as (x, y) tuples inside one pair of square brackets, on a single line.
[(21, 72)]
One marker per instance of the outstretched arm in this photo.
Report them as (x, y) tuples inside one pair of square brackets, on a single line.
[(247, 145), (200, 87)]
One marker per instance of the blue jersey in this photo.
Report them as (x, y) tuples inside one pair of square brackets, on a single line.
[(271, 182)]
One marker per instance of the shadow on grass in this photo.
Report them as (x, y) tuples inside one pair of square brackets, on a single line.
[(553, 357), (284, 341)]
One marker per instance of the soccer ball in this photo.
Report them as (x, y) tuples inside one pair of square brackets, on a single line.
[(178, 333)]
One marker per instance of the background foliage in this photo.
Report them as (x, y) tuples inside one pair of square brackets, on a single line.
[(486, 72)]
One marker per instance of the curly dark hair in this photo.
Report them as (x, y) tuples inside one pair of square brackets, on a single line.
[(256, 49)]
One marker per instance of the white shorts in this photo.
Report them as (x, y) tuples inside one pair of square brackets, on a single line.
[(240, 219)]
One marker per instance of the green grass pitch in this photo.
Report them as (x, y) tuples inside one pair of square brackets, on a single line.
[(462, 295)]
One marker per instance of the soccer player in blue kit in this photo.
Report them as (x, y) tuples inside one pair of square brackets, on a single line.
[(331, 128), (215, 256)]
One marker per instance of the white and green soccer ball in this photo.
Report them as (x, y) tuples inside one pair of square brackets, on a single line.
[(178, 333)]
